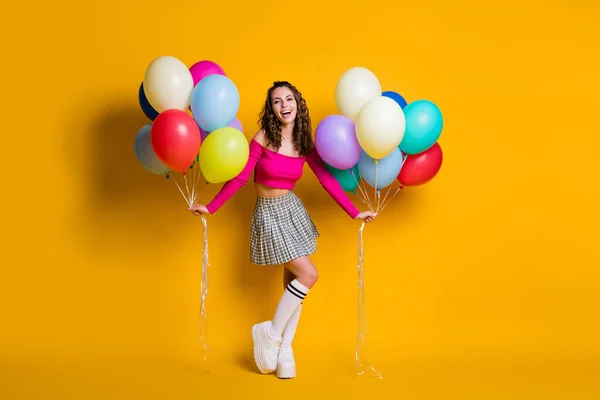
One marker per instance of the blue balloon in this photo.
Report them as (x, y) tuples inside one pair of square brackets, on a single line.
[(145, 104), (384, 172), (396, 97), (215, 102), (424, 124), (145, 153)]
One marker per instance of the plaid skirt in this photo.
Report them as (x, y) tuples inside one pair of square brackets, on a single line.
[(281, 230)]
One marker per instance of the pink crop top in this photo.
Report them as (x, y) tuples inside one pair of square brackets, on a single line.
[(282, 172)]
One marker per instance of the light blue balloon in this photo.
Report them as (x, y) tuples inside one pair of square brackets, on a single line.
[(384, 172), (145, 153), (424, 124), (215, 102)]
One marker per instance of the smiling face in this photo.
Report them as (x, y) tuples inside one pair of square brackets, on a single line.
[(284, 105)]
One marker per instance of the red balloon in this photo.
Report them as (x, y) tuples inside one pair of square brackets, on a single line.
[(175, 138), (422, 167)]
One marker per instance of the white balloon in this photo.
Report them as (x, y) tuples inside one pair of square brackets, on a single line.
[(354, 89), (168, 84), (380, 127)]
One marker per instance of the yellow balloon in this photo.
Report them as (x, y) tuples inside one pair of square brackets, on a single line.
[(223, 154), (380, 127), (354, 89)]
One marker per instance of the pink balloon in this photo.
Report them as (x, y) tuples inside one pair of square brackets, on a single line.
[(204, 68), (336, 142)]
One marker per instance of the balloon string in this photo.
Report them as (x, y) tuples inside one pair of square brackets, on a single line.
[(187, 188), (361, 197), (377, 192), (364, 192), (181, 191), (390, 199), (202, 318), (197, 180), (192, 171), (385, 197), (202, 321), (362, 353), (384, 205)]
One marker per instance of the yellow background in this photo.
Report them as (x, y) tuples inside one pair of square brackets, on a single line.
[(482, 284)]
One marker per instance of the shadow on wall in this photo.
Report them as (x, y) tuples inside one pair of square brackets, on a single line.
[(122, 207), (126, 212)]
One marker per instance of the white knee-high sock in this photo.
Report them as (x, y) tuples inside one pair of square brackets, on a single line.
[(290, 329), (293, 295)]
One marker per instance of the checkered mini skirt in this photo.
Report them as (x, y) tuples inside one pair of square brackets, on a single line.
[(281, 230)]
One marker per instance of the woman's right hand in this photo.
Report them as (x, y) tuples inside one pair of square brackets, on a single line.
[(199, 209)]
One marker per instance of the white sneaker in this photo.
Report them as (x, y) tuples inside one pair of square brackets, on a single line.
[(286, 365), (266, 347)]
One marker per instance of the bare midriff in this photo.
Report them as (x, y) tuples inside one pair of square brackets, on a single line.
[(266, 191)]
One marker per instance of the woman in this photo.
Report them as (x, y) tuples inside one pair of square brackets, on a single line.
[(282, 231)]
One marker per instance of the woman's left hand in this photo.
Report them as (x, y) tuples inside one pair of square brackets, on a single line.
[(366, 216)]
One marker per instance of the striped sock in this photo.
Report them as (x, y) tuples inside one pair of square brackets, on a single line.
[(293, 295), (290, 327)]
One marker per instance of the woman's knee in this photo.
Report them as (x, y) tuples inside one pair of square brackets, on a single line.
[(305, 272), (311, 276)]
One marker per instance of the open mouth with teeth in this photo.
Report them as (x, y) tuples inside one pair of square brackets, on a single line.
[(286, 113)]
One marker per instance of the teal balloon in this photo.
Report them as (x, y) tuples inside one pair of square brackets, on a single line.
[(347, 178), (424, 124), (145, 153), (383, 172)]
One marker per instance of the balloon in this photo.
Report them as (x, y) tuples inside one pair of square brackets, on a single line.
[(233, 124), (396, 97), (215, 102), (175, 139), (223, 154), (145, 153), (382, 171), (236, 124), (423, 126), (203, 134), (145, 105), (347, 178), (421, 168), (354, 89), (168, 84), (203, 68), (336, 143), (380, 126)]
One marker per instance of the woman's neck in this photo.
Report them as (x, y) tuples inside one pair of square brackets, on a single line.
[(287, 131)]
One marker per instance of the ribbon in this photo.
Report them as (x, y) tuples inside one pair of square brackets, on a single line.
[(363, 366), (202, 322)]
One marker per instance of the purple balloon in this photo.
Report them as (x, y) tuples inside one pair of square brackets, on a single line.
[(336, 142), (233, 124), (236, 124)]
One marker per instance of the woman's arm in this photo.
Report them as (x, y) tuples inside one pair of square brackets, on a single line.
[(330, 184)]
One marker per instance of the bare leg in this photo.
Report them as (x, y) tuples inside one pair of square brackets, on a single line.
[(304, 270), (287, 277)]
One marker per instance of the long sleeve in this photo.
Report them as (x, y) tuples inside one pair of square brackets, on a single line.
[(330, 184), (233, 185)]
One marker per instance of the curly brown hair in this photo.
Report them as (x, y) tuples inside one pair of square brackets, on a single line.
[(302, 133)]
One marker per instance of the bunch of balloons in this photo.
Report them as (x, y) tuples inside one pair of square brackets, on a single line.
[(193, 112), (377, 136)]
